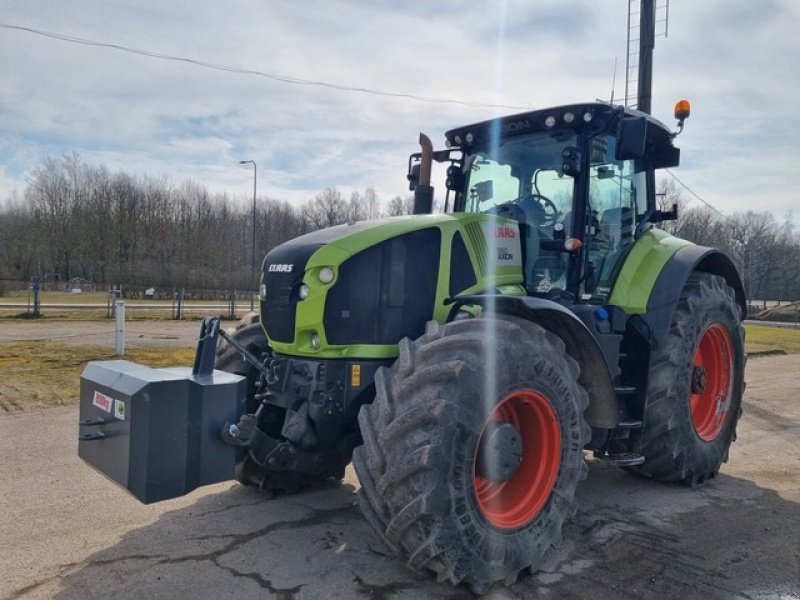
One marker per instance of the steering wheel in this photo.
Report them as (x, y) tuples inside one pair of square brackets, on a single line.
[(539, 210)]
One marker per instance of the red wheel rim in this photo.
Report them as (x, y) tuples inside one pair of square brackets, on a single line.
[(516, 502), (711, 382)]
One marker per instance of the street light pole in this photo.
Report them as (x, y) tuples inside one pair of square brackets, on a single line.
[(253, 258)]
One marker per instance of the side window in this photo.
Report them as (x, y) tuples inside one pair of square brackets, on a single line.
[(617, 198), (462, 275)]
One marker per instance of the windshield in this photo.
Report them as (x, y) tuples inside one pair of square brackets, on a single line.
[(522, 177)]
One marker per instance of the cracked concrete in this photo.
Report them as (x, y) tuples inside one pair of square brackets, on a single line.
[(67, 532)]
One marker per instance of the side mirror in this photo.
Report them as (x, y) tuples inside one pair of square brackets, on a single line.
[(413, 176), (631, 138)]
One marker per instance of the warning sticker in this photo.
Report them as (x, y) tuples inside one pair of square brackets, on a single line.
[(102, 401), (119, 409), (355, 376)]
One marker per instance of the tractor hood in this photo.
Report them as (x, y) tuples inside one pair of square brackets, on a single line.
[(357, 289)]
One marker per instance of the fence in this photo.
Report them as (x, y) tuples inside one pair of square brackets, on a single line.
[(176, 303)]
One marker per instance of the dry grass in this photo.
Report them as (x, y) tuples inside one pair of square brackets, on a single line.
[(41, 374), (763, 338), (45, 373)]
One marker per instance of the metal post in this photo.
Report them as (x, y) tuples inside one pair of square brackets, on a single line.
[(36, 297), (179, 312), (119, 306), (647, 41), (253, 258)]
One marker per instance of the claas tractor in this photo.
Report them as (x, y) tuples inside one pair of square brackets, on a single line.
[(465, 361)]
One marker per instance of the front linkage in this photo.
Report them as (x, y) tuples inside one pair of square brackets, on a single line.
[(312, 407)]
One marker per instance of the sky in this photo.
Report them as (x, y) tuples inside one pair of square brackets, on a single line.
[(737, 62)]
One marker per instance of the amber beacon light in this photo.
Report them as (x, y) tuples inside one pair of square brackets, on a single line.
[(682, 110)]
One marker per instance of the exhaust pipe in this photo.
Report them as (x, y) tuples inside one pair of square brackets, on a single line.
[(423, 192)]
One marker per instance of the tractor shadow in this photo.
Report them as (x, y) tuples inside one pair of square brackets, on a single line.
[(630, 538)]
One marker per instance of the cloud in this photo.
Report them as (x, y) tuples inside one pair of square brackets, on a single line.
[(164, 117)]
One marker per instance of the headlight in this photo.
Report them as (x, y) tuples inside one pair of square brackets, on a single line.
[(315, 342), (326, 275), (263, 291), (303, 292)]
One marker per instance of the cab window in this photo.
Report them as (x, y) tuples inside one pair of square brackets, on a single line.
[(617, 200)]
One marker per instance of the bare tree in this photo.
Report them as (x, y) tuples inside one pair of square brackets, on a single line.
[(400, 206), (326, 209)]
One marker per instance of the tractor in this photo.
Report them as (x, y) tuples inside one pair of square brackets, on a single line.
[(465, 361)]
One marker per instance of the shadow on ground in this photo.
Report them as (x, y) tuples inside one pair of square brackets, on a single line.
[(631, 538)]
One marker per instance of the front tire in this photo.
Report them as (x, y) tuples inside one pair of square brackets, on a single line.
[(444, 482), (695, 387)]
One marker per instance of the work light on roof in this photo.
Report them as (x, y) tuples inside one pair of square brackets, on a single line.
[(568, 117), (550, 121)]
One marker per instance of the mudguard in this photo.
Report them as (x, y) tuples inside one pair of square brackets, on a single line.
[(581, 345), (672, 279)]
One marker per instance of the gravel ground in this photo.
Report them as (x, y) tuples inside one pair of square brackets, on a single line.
[(144, 334), (66, 532)]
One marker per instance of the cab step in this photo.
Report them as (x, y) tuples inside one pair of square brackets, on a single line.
[(622, 459)]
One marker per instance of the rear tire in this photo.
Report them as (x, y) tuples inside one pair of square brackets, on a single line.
[(695, 387), (424, 488)]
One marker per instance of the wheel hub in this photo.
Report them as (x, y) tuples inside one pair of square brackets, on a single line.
[(711, 382), (500, 452), (699, 380), (517, 459)]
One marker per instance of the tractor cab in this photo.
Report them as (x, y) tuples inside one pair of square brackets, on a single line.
[(578, 179)]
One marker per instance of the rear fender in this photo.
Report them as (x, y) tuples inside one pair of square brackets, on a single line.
[(580, 345), (672, 279)]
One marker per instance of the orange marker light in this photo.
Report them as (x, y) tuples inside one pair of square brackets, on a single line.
[(682, 110), (572, 244)]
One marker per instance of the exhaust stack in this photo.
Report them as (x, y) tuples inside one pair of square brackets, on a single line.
[(423, 192)]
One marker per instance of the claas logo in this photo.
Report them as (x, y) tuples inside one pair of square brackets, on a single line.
[(505, 232)]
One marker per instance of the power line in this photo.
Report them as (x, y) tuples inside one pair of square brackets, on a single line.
[(688, 189), (273, 76)]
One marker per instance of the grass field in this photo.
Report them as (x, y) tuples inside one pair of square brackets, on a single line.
[(39, 374), (763, 338)]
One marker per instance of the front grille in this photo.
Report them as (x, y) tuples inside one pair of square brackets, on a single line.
[(386, 292), (279, 305), (278, 309)]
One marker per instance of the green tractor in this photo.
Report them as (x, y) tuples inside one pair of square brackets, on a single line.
[(465, 361)]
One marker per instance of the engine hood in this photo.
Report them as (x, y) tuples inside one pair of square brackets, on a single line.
[(357, 289)]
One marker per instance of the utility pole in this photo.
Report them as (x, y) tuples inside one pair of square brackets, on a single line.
[(642, 33), (647, 42)]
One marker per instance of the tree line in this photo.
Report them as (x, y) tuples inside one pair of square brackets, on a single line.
[(79, 220), (766, 251)]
